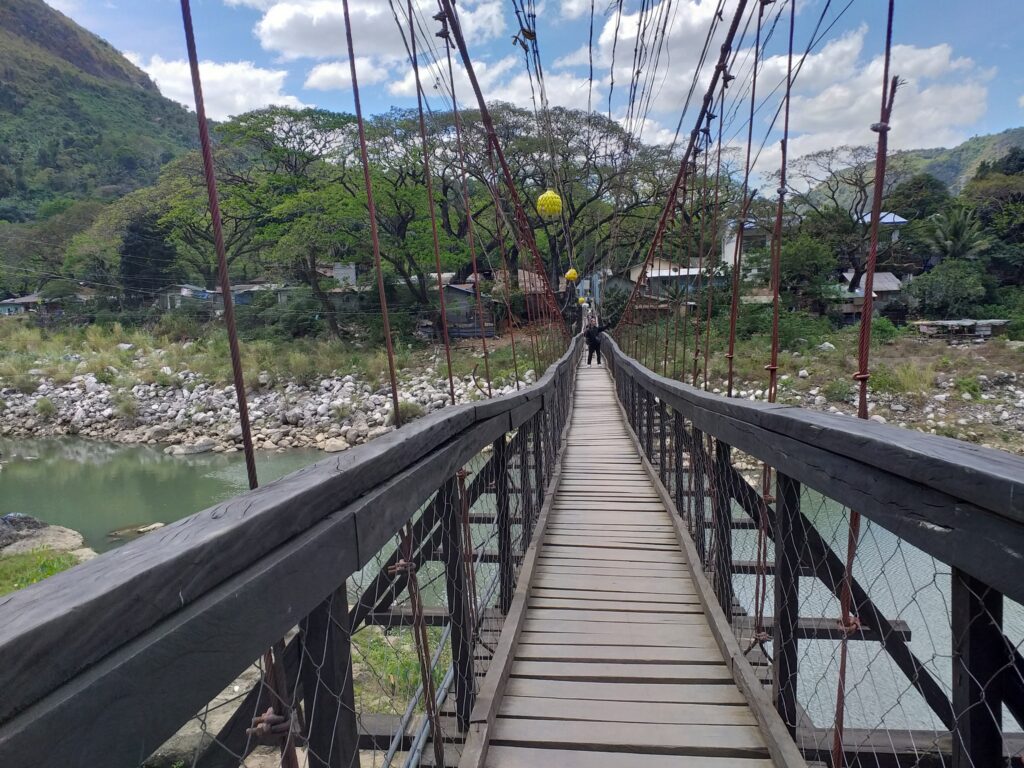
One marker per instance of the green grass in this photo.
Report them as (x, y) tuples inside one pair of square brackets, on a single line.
[(386, 668), (970, 385), (903, 378), (126, 406), (46, 408), (838, 390), (18, 571), (409, 411)]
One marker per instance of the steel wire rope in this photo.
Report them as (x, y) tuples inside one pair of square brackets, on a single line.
[(429, 184)]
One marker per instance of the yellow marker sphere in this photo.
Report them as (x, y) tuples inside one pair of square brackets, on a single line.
[(581, 300), (549, 204), (572, 275)]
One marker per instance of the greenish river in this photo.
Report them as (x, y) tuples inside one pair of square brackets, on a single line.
[(97, 488)]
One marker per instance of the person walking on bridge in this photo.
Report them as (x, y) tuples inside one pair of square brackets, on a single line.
[(593, 337)]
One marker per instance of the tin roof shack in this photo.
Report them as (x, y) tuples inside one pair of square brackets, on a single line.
[(662, 274), (962, 331), (462, 313), (19, 305), (37, 304), (885, 287), (182, 294)]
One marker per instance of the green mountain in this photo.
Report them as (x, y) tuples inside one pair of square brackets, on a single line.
[(956, 166), (77, 119)]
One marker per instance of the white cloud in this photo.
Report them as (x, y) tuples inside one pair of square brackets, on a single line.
[(336, 75), (229, 88), (503, 80), (1020, 102), (574, 9), (298, 29)]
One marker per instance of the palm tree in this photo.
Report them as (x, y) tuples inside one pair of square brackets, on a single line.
[(956, 234)]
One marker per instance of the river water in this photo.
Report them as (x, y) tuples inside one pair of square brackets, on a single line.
[(97, 488)]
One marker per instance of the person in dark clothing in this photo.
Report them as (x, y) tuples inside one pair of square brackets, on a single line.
[(593, 337)]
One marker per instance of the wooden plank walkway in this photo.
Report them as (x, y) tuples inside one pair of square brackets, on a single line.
[(615, 664)]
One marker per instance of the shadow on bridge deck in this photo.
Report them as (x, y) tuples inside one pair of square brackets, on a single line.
[(615, 663)]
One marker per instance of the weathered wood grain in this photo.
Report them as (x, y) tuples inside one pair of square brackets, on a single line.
[(675, 739), (525, 757)]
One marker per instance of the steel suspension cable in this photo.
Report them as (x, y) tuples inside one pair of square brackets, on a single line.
[(372, 208), (273, 658), (210, 173), (719, 72), (850, 622), (429, 183), (761, 577), (737, 263), (714, 227), (525, 233), (464, 178), (705, 193)]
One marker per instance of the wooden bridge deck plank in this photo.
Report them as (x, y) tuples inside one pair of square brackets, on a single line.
[(625, 711), (701, 693), (615, 663), (527, 757), (654, 654), (652, 738)]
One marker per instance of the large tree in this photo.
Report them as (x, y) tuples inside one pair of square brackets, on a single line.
[(832, 190), (280, 159)]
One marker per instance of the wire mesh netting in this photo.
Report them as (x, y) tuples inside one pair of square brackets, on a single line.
[(384, 672), (802, 592)]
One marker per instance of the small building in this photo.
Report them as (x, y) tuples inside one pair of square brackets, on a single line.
[(18, 305), (884, 288), (755, 238), (463, 314), (961, 331), (33, 302), (534, 283), (663, 274), (174, 296), (591, 286)]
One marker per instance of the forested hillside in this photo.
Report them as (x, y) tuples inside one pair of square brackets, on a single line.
[(957, 165), (77, 119)]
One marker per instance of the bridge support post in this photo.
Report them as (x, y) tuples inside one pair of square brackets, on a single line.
[(699, 472), (526, 505), (979, 655), (678, 432), (648, 429), (721, 508), (789, 541), (540, 484), (662, 435), (503, 522), (457, 590), (327, 685)]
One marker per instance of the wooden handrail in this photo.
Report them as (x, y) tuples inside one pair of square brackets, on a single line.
[(143, 635), (962, 504)]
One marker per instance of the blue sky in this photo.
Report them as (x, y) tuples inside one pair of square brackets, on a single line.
[(960, 60)]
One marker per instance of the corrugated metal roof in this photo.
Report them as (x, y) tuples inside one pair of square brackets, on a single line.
[(884, 218), (884, 281)]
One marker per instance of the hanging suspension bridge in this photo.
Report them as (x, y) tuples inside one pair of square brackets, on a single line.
[(613, 566)]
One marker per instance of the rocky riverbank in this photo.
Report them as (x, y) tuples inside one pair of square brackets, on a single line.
[(22, 534), (987, 409), (192, 416)]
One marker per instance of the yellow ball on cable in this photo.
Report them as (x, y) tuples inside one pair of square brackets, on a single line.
[(581, 301), (549, 205), (572, 275)]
